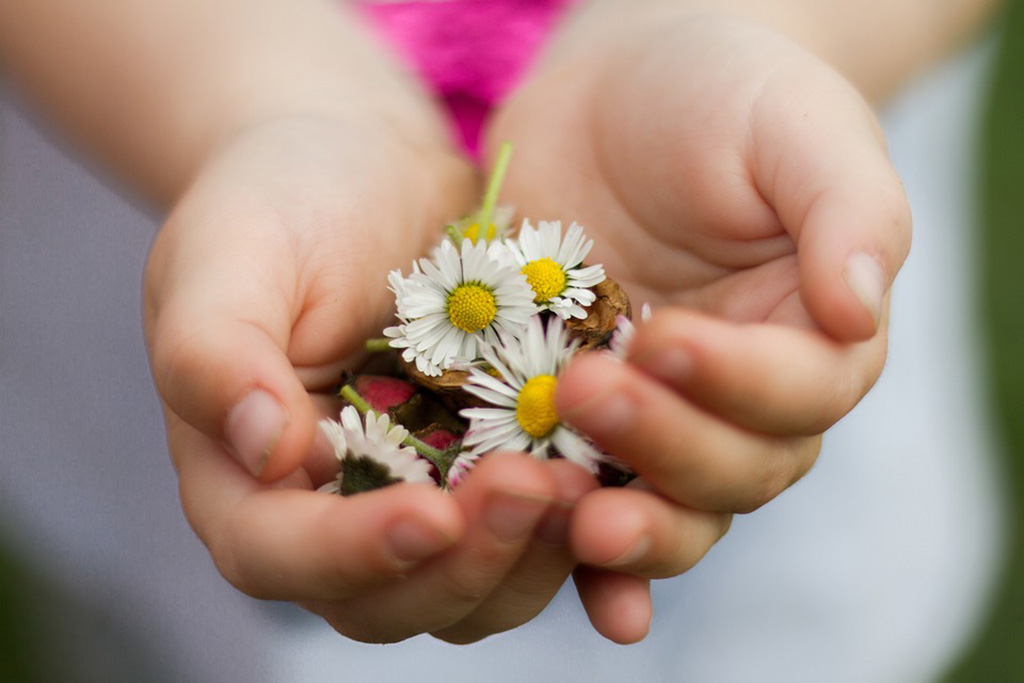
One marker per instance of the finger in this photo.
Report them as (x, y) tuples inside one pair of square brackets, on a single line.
[(540, 572), (503, 500), (618, 605), (218, 320), (688, 454), (773, 379), (638, 532), (289, 544), (823, 167), (321, 464)]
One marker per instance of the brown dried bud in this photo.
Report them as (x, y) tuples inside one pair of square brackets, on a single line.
[(596, 329), (447, 387)]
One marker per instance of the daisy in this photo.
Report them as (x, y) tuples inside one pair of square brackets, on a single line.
[(551, 265), (469, 228), (460, 469), (524, 415), (446, 309), (625, 330), (372, 457)]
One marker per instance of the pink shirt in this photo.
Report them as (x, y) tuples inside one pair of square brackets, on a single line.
[(472, 53)]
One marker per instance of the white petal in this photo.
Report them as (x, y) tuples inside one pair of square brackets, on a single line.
[(529, 243), (550, 239), (333, 486), (409, 467), (567, 308), (448, 272), (426, 367), (478, 379), (586, 277), (335, 434), (485, 413), (574, 247), (351, 419), (573, 447), (495, 398), (581, 296)]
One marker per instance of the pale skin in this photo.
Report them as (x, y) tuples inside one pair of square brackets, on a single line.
[(282, 140), (755, 208)]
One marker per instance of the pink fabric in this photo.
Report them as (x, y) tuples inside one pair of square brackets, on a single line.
[(472, 53)]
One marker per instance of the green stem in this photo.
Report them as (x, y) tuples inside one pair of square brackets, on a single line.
[(378, 345), (435, 456), (429, 452), (494, 187), (453, 234), (349, 393)]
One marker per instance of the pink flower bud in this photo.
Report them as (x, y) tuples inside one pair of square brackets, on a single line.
[(384, 393)]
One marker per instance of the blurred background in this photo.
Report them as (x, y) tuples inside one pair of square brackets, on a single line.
[(996, 653), (101, 579)]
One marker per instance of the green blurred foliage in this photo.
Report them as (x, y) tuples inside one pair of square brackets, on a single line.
[(17, 638), (52, 634), (998, 653)]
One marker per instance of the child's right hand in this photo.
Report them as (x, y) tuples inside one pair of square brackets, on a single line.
[(269, 275)]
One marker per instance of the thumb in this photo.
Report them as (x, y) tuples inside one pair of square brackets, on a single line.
[(835, 191), (217, 331)]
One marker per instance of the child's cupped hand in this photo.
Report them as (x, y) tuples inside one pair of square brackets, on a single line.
[(268, 277), (742, 187)]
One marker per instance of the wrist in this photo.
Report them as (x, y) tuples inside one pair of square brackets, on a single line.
[(338, 161)]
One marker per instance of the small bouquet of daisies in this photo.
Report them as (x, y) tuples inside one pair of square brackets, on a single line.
[(485, 325)]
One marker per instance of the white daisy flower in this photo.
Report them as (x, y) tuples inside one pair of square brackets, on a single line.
[(460, 468), (625, 330), (552, 263), (469, 228), (396, 281), (524, 416), (373, 456), (447, 309)]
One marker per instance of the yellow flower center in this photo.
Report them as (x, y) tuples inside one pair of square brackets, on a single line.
[(472, 233), (535, 407), (471, 307), (546, 277)]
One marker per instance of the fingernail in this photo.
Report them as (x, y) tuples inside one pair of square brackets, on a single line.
[(866, 279), (633, 554), (253, 428), (672, 364), (510, 516), (413, 541)]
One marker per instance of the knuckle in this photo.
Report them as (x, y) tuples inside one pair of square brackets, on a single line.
[(232, 568), (220, 544), (463, 590), (236, 555), (174, 355), (781, 467), (691, 543), (855, 378), (678, 560)]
